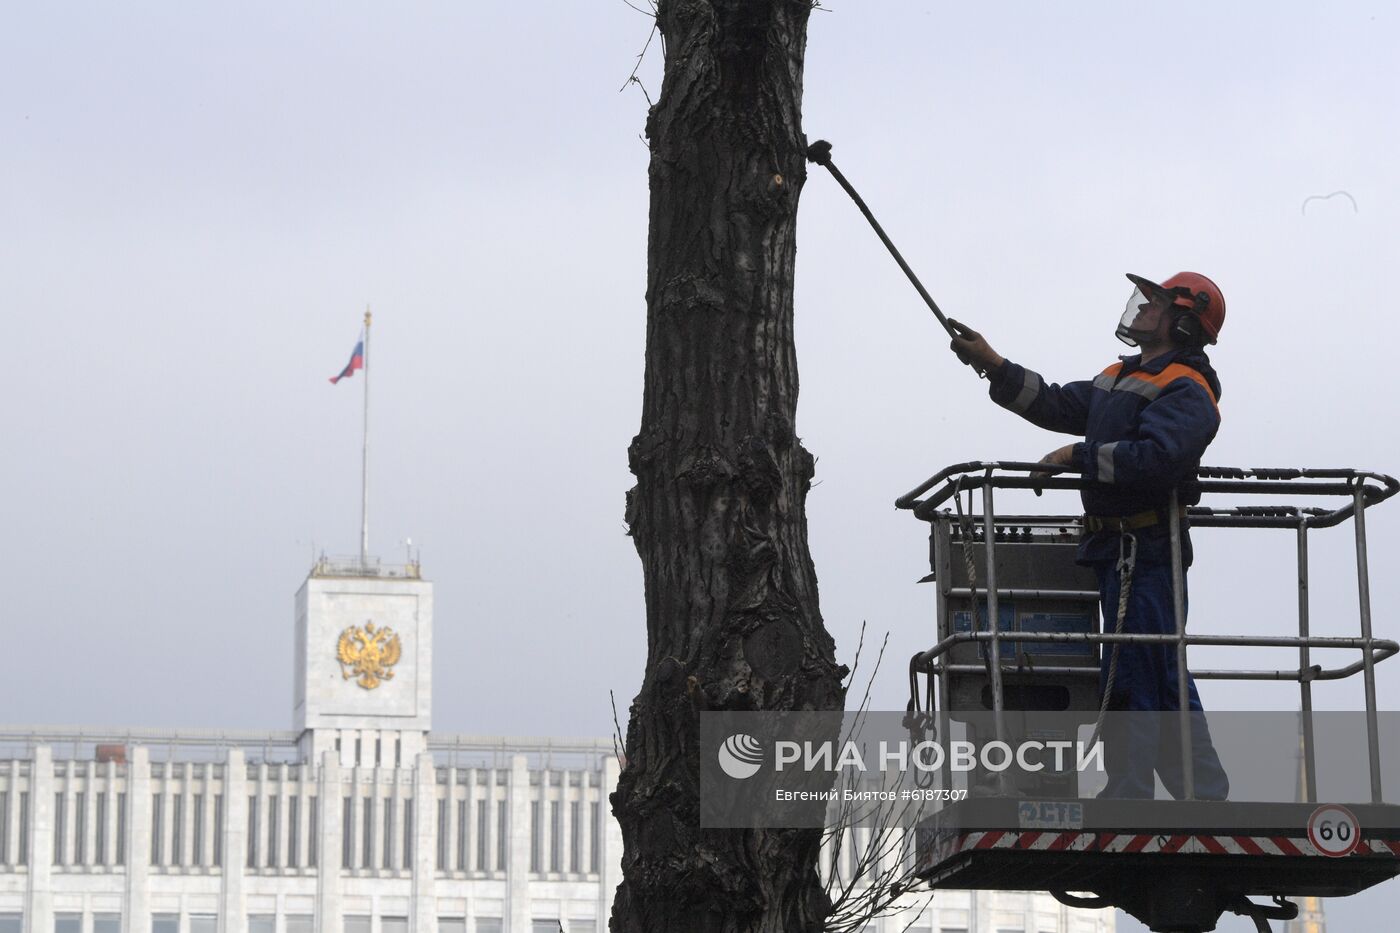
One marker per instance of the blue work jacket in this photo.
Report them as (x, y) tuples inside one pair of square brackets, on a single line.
[(1145, 428)]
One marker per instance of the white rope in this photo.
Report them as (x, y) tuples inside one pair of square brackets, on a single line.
[(1127, 562)]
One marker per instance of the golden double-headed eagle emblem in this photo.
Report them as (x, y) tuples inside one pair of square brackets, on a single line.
[(368, 653)]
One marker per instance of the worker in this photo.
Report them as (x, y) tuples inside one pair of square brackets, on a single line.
[(1146, 421)]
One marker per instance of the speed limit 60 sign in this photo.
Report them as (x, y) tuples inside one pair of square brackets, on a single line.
[(1333, 830)]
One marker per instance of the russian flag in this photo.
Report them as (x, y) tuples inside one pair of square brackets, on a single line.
[(357, 361)]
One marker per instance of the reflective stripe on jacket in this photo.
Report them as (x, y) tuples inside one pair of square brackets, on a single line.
[(1145, 429)]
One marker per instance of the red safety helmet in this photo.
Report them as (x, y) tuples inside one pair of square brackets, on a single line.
[(1196, 304)]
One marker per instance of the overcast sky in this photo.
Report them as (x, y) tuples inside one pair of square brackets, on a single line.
[(199, 203)]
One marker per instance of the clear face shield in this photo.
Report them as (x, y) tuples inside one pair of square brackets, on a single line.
[(1141, 316)]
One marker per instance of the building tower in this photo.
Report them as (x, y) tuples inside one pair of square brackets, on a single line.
[(1309, 919), (364, 647)]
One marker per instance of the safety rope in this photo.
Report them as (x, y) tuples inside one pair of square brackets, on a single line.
[(920, 721), (1127, 563)]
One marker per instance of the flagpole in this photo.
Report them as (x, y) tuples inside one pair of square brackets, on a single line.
[(364, 462)]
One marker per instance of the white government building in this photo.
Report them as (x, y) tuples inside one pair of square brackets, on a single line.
[(359, 819)]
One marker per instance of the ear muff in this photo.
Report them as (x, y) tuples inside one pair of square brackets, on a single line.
[(1187, 328), (1186, 323)]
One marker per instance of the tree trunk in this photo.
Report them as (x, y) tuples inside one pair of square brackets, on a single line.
[(718, 511)]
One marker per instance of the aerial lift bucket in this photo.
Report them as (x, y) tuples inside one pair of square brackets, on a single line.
[(1018, 634)]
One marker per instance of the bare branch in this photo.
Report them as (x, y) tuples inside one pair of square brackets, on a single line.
[(638, 81), (878, 883), (618, 743), (860, 644), (865, 700), (640, 56)]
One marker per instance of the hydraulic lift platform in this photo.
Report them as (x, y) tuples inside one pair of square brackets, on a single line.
[(1019, 631), (1175, 865), (1264, 848)]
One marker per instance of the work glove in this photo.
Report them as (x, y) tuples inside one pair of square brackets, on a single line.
[(972, 349), (1063, 456)]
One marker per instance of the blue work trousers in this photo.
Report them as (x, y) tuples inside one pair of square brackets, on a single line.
[(1138, 737)]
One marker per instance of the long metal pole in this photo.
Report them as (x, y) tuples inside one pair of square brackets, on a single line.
[(1183, 695), (1304, 668), (364, 460), (1368, 664), (820, 153)]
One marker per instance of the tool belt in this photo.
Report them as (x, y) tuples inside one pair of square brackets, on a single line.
[(1120, 523)]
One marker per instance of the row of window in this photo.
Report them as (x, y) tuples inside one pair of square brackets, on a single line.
[(557, 861), (271, 855), (480, 845), (294, 923), (459, 925), (304, 923), (169, 821), (102, 853), (372, 843), (208, 923), (379, 757), (267, 923), (70, 847), (483, 856), (14, 830), (73, 923), (198, 854), (553, 778)]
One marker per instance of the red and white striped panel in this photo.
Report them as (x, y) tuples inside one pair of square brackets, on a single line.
[(1076, 841)]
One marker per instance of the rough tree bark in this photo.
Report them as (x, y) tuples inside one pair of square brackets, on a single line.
[(718, 511)]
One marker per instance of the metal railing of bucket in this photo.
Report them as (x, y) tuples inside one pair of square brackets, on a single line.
[(1361, 488)]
